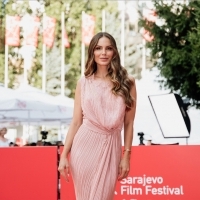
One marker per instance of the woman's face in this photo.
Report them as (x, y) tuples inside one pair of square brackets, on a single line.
[(3, 131), (103, 52)]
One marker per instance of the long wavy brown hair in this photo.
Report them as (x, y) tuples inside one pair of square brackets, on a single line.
[(119, 77)]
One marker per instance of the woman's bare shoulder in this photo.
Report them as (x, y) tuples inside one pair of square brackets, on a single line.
[(81, 80), (84, 78), (131, 78)]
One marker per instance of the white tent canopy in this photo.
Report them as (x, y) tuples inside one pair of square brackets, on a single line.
[(37, 94), (31, 108)]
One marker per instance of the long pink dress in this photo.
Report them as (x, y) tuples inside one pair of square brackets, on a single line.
[(96, 148)]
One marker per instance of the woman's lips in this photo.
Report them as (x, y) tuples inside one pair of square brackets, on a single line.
[(103, 58)]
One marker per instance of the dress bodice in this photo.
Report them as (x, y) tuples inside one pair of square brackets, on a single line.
[(100, 106)]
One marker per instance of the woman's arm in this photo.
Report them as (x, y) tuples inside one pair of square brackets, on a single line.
[(76, 121), (129, 122), (63, 167), (128, 135)]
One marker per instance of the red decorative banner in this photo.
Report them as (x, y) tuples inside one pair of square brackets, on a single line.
[(49, 31), (147, 36), (12, 30), (149, 15), (88, 24), (66, 40), (32, 32)]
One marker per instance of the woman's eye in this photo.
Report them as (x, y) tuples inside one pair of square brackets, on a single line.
[(109, 48), (97, 48)]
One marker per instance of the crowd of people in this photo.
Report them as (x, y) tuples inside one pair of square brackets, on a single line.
[(4, 142)]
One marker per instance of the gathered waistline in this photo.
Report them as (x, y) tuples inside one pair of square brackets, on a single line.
[(97, 129)]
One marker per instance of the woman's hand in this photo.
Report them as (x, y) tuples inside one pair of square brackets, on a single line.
[(64, 168), (124, 168)]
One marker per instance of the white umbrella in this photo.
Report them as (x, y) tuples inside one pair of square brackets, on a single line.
[(17, 107), (24, 114), (62, 100), (38, 94), (13, 100), (19, 103), (65, 104)]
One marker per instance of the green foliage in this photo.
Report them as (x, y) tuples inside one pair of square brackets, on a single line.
[(73, 10), (132, 41), (176, 47), (2, 27), (2, 38), (2, 68)]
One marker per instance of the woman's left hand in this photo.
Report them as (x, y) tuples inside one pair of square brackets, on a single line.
[(124, 168)]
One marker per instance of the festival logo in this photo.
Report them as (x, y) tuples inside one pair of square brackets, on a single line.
[(137, 187)]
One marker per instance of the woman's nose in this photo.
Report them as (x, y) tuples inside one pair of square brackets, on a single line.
[(103, 51)]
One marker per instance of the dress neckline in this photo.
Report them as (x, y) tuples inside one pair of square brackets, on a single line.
[(100, 82)]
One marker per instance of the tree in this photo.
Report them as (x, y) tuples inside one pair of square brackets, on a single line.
[(73, 10), (175, 47), (2, 39), (132, 39)]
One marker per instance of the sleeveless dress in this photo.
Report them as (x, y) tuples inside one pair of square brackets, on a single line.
[(96, 149)]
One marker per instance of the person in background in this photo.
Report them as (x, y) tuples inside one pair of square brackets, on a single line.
[(11, 144), (4, 142), (39, 143), (33, 144), (59, 143)]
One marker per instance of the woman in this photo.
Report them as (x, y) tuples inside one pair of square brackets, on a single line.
[(105, 100), (4, 142)]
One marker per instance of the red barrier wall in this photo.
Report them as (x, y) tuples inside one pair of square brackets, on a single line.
[(28, 173), (157, 172)]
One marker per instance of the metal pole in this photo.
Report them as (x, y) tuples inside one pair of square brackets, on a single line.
[(82, 53), (122, 32), (103, 21), (25, 69), (62, 56), (143, 57), (44, 60), (136, 21), (6, 67), (82, 59)]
